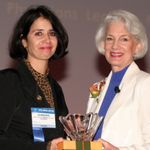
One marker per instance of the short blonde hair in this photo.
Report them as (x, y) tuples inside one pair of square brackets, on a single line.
[(133, 25)]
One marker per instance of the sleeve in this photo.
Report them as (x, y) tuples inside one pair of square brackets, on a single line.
[(8, 105), (7, 100), (144, 112), (9, 144)]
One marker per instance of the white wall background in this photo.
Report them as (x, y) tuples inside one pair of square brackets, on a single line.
[(83, 65)]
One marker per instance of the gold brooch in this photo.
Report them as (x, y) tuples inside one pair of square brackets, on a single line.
[(39, 97)]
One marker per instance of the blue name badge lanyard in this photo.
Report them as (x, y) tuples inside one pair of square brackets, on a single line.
[(42, 118)]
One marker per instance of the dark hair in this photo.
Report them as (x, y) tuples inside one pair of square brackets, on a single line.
[(22, 28)]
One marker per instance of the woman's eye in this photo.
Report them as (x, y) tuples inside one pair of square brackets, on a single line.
[(38, 33), (124, 39), (109, 39), (52, 33)]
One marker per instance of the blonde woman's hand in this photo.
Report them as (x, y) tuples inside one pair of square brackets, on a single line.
[(107, 146)]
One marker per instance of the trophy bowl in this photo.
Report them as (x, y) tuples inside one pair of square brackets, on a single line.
[(81, 127)]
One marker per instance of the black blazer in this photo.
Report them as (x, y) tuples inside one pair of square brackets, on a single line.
[(18, 93)]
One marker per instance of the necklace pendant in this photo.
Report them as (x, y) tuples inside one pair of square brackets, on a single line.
[(39, 97)]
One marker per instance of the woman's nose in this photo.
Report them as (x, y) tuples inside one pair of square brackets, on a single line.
[(47, 37), (115, 44)]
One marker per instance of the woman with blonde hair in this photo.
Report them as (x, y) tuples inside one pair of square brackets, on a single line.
[(123, 98)]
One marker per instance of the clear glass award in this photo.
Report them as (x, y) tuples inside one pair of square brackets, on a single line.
[(81, 127)]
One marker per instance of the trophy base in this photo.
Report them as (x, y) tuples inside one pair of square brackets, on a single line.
[(80, 145)]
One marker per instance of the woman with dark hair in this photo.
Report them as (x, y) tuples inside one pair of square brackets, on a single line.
[(31, 101)]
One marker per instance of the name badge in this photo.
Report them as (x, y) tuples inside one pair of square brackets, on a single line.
[(42, 118)]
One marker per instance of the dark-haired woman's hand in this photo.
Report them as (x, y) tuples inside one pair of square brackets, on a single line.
[(53, 144)]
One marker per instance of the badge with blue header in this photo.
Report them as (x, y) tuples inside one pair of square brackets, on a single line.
[(42, 118)]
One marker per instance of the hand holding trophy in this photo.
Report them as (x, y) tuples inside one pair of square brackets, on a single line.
[(80, 127)]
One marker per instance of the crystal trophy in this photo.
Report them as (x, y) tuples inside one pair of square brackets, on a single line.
[(81, 127)]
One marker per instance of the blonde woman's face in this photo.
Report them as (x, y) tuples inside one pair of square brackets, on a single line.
[(120, 46)]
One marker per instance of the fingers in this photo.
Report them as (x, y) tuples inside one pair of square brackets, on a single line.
[(103, 143), (54, 143), (107, 146)]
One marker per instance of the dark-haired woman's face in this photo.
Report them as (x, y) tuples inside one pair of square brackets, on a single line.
[(41, 42)]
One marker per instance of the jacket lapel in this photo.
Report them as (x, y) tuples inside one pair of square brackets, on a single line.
[(95, 103), (27, 81), (119, 99)]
